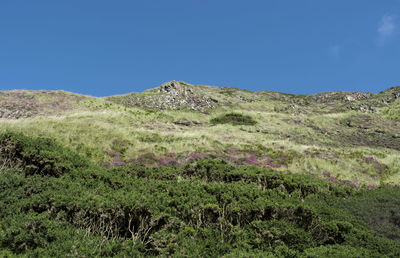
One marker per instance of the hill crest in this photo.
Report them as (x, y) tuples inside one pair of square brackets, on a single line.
[(179, 95)]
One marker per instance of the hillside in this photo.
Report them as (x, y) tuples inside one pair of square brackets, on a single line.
[(354, 136), (196, 170)]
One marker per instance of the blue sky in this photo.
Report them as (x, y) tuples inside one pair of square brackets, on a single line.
[(101, 48)]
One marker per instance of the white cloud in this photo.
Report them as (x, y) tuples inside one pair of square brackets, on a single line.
[(386, 28)]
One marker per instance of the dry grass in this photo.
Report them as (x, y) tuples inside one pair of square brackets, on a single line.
[(95, 125)]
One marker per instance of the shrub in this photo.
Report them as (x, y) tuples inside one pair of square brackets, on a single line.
[(205, 209), (234, 119), (339, 251), (38, 155)]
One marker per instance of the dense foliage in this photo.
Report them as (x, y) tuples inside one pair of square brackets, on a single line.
[(234, 119), (56, 203)]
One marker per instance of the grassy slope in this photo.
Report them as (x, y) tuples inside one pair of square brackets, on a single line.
[(315, 139)]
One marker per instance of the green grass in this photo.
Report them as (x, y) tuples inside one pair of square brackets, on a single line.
[(261, 174), (392, 112), (98, 125), (92, 126)]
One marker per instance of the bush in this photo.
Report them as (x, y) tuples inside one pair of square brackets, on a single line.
[(206, 209), (234, 119), (34, 231), (38, 155), (338, 251)]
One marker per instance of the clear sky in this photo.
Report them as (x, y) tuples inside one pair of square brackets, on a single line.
[(106, 47)]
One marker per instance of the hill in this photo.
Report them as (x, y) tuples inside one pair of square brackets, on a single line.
[(354, 136), (199, 170)]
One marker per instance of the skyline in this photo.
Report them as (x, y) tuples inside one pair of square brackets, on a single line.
[(254, 91), (100, 48)]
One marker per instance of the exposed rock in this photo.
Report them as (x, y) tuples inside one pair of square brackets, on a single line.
[(350, 98), (15, 113), (338, 96), (365, 109), (174, 88), (170, 95)]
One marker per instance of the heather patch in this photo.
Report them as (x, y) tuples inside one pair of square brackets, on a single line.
[(116, 159), (23, 104), (150, 159), (372, 131), (14, 105), (235, 157), (379, 168)]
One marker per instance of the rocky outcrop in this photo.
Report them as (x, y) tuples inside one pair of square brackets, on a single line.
[(15, 114), (176, 95), (339, 96), (171, 95)]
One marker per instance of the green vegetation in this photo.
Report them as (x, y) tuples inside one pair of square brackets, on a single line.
[(393, 112), (164, 173), (207, 208), (37, 156), (234, 119)]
